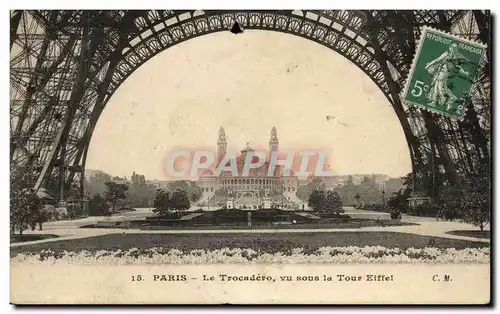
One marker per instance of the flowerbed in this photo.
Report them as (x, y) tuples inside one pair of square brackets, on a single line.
[(335, 255)]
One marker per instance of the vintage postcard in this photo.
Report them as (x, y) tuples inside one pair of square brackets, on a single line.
[(250, 157)]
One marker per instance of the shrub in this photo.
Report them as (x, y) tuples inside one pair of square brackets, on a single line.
[(25, 205), (98, 206), (398, 201), (285, 252), (475, 205), (427, 210), (395, 215), (166, 202)]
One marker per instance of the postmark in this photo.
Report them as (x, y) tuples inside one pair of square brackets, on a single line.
[(443, 72)]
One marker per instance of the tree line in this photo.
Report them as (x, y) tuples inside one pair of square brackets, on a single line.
[(469, 201), (368, 190), (27, 209), (325, 201)]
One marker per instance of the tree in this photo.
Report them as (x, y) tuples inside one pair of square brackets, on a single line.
[(349, 180), (427, 179), (368, 181), (27, 210), (95, 183), (177, 185), (191, 188), (317, 200), (449, 202), (98, 206), (194, 192), (333, 202), (398, 202), (368, 193), (114, 193), (165, 202), (161, 203), (357, 197), (25, 205), (475, 205), (140, 195), (304, 191), (180, 200)]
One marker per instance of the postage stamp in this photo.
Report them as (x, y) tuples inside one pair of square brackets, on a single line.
[(443, 72)]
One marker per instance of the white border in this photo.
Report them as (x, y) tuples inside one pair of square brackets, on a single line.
[(222, 4)]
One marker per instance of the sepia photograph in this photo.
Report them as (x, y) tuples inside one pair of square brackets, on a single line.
[(250, 156)]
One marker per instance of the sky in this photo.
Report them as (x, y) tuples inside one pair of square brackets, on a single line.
[(248, 83)]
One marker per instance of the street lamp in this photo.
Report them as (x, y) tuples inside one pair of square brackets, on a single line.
[(282, 192), (226, 191), (282, 198), (383, 198)]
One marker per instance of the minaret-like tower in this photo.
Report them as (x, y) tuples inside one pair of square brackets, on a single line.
[(221, 145), (273, 142)]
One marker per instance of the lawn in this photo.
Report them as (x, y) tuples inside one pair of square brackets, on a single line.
[(322, 224), (262, 242), (485, 234), (15, 238)]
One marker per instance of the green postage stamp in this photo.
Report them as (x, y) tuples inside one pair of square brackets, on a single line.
[(442, 73)]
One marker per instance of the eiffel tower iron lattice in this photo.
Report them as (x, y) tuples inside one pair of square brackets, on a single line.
[(66, 65)]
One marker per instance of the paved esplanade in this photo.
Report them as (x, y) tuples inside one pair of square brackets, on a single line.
[(425, 226)]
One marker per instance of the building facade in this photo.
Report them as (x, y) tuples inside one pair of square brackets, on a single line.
[(255, 186)]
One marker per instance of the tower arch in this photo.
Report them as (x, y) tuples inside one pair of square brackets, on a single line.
[(52, 121)]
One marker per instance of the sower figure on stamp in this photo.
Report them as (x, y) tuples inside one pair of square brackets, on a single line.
[(441, 68)]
